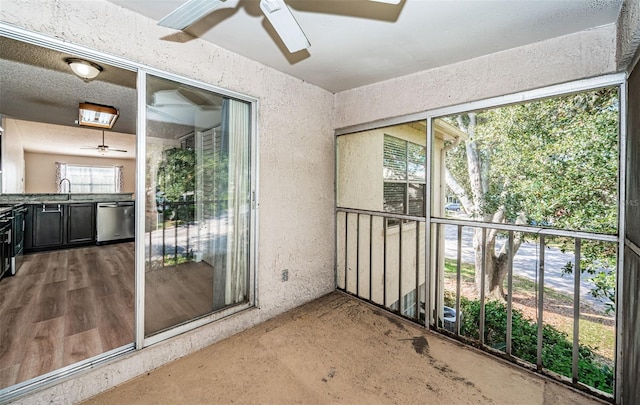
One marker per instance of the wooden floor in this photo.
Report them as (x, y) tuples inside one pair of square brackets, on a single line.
[(177, 294), (63, 307), (69, 305)]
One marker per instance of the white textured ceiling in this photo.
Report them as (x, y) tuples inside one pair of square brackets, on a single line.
[(359, 42), (353, 43)]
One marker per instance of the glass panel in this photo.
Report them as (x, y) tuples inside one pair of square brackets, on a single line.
[(416, 199), (394, 197), (416, 157), (92, 179), (197, 220), (395, 158)]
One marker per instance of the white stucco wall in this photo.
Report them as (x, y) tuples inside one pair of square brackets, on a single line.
[(296, 167), (13, 171), (628, 41), (571, 57)]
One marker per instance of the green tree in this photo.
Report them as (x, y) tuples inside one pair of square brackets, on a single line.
[(551, 161)]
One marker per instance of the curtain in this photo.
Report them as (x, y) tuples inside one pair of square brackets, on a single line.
[(239, 208), (61, 173), (119, 178)]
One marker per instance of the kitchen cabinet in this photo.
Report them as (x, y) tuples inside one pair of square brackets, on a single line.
[(5, 242), (48, 225), (81, 223), (54, 226)]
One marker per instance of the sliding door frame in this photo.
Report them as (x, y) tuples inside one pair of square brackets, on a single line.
[(138, 340), (141, 340)]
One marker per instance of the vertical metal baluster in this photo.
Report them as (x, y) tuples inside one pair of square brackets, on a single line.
[(400, 269), (576, 310), (336, 260), (417, 300), (164, 242), (458, 278), (384, 261), (358, 256), (188, 224), (540, 303), (346, 249), (482, 284), (436, 285), (175, 236), (509, 295), (150, 257), (370, 257)]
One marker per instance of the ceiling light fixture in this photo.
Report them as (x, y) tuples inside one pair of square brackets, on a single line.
[(84, 69), (96, 115)]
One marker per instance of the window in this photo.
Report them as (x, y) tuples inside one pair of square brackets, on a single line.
[(404, 176), (89, 179)]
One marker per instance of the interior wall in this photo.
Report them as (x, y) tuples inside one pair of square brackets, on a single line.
[(13, 171), (631, 273), (295, 172), (40, 173), (571, 57)]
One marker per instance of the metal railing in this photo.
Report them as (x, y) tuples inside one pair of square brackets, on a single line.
[(172, 239), (380, 259), (385, 265)]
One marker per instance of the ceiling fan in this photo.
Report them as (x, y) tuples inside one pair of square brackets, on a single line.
[(102, 149), (276, 11)]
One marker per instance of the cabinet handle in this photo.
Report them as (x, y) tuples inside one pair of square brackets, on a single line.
[(44, 209)]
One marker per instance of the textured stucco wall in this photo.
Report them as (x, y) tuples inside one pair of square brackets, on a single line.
[(576, 56), (295, 170), (628, 43), (13, 176)]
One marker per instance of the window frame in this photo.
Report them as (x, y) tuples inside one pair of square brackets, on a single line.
[(91, 168), (407, 181)]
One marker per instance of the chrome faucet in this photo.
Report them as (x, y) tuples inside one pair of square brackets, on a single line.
[(69, 181)]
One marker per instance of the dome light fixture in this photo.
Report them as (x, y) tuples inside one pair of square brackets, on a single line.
[(84, 69)]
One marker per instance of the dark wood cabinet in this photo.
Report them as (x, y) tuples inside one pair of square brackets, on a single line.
[(5, 242), (48, 225), (53, 226), (81, 223)]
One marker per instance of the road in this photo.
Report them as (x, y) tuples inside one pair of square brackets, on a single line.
[(525, 263)]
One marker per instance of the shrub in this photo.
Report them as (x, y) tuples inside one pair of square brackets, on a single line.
[(556, 346)]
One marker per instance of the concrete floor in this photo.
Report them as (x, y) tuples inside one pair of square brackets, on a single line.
[(338, 350)]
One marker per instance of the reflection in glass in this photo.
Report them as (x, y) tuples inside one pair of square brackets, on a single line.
[(198, 203)]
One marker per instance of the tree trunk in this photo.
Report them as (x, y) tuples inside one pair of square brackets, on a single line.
[(496, 264)]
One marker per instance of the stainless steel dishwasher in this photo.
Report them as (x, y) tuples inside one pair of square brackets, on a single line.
[(115, 221)]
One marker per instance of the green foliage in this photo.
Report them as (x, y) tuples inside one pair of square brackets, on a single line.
[(556, 346), (556, 160), (552, 161), (176, 174)]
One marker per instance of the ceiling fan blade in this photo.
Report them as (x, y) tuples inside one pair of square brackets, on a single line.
[(188, 13), (388, 1), (115, 150), (285, 24)]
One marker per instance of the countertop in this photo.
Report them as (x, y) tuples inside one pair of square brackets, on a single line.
[(62, 198)]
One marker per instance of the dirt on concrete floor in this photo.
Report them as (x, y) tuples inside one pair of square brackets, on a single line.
[(339, 350)]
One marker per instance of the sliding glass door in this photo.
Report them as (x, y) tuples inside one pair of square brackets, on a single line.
[(198, 203)]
